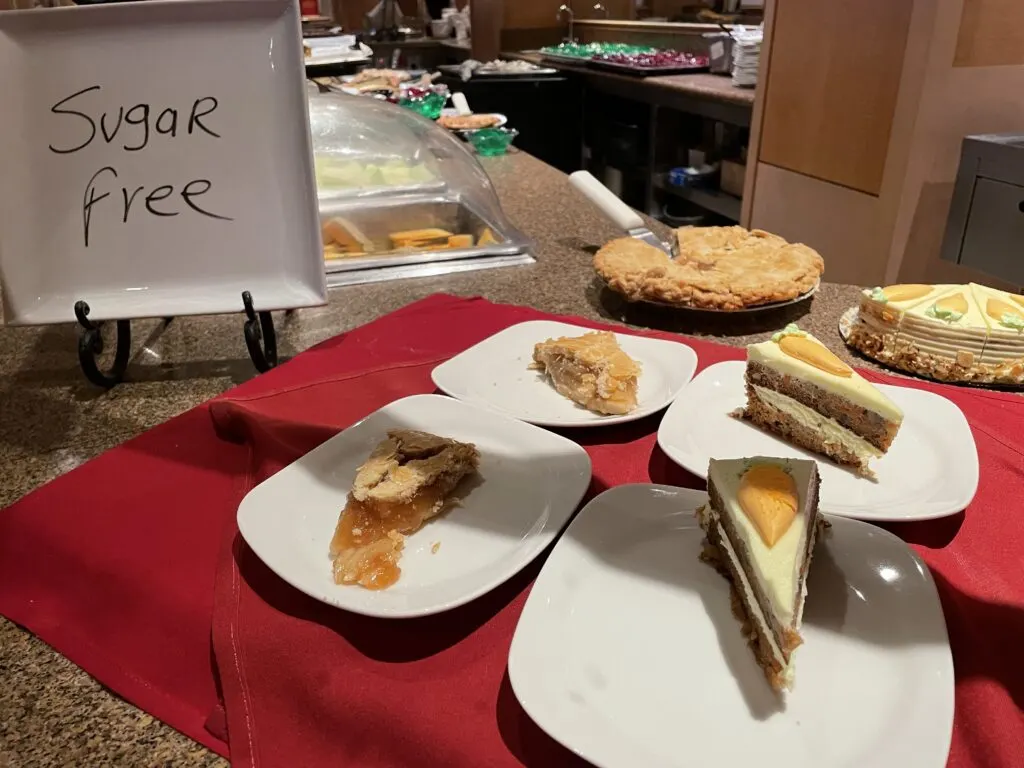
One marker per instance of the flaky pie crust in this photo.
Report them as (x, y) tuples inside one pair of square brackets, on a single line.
[(724, 268)]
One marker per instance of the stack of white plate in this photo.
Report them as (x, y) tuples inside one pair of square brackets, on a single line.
[(746, 55)]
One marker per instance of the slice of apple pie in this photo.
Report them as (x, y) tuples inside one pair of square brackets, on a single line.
[(408, 479), (591, 370)]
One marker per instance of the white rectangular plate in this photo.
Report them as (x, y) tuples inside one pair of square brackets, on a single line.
[(931, 469), (223, 84), (529, 484), (627, 651), (496, 374)]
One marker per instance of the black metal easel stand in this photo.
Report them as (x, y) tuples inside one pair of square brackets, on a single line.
[(264, 356), (258, 330), (90, 346)]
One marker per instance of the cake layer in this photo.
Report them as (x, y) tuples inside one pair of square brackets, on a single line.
[(851, 387), (769, 578), (806, 428), (770, 658), (844, 414)]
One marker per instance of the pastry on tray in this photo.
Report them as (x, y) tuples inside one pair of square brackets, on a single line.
[(408, 479), (798, 389), (468, 122), (591, 370), (762, 524), (343, 239), (390, 78), (720, 268), (966, 333)]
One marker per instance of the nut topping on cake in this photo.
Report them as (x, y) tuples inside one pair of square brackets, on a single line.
[(768, 496)]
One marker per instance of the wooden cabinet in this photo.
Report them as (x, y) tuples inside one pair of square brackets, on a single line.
[(861, 110), (831, 90)]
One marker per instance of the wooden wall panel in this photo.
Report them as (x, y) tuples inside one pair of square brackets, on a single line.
[(486, 17), (351, 12), (692, 42), (532, 14), (831, 97), (991, 34), (617, 9), (841, 224)]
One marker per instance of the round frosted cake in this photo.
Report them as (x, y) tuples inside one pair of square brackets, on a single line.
[(967, 333)]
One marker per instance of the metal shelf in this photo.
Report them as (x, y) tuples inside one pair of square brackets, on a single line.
[(713, 200)]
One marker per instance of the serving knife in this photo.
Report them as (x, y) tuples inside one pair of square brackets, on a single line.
[(616, 210)]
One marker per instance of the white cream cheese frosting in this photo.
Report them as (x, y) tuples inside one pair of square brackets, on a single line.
[(854, 388), (776, 568)]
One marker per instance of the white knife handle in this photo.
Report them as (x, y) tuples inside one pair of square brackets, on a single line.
[(461, 104), (616, 210)]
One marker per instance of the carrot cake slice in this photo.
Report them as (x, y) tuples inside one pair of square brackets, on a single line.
[(762, 523), (798, 389)]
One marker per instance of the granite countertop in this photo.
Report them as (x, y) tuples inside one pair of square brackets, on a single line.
[(51, 713), (700, 84)]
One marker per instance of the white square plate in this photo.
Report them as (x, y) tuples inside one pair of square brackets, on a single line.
[(529, 484), (627, 651), (237, 65), (931, 469), (496, 374)]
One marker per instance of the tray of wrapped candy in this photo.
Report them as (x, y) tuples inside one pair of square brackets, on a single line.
[(581, 53), (494, 69), (657, 62)]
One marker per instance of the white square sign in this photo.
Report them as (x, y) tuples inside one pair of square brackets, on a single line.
[(155, 160)]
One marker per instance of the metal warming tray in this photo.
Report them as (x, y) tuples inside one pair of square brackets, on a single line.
[(377, 222), (354, 133)]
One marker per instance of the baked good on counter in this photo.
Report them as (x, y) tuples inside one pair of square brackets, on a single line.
[(342, 238), (378, 79), (722, 268), (966, 333), (468, 122), (407, 480), (591, 370), (762, 523), (798, 389)]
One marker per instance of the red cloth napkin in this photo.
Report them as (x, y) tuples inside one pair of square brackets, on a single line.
[(121, 564)]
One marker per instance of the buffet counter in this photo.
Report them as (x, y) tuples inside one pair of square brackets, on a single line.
[(53, 421), (700, 93)]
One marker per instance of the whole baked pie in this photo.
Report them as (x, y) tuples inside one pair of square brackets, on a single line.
[(591, 370), (724, 268)]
